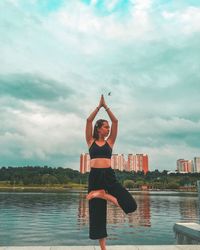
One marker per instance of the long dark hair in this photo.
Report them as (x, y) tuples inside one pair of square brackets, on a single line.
[(98, 125)]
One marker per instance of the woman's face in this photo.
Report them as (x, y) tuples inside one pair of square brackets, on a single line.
[(105, 129)]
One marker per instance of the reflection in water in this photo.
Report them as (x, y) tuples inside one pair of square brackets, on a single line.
[(115, 215), (83, 210), (61, 219), (188, 210), (142, 216)]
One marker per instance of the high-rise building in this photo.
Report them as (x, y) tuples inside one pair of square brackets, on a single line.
[(197, 164), (145, 164), (185, 166), (131, 166), (138, 162), (84, 163), (118, 161), (190, 166), (179, 164)]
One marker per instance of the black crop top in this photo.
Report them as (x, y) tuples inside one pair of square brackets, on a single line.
[(104, 151)]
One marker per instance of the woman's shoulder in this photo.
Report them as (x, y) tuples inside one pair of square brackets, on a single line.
[(110, 143), (91, 142)]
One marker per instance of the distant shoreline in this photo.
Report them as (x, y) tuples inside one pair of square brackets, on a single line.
[(41, 189), (83, 189)]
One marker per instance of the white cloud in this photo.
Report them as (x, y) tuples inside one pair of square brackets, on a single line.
[(145, 59), (188, 19), (110, 4), (41, 132), (94, 2), (143, 5)]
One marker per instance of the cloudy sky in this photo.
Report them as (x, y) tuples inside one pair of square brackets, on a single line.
[(57, 57)]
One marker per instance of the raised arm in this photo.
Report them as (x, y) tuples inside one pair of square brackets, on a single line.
[(114, 125), (88, 130)]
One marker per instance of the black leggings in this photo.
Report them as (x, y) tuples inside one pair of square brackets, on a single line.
[(104, 178)]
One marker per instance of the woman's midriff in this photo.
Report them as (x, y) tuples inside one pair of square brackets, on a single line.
[(100, 163)]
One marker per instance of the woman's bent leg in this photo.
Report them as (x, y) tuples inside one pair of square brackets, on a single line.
[(124, 198), (111, 198), (96, 194), (114, 188), (103, 195)]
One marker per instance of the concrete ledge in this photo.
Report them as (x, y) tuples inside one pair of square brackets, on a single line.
[(187, 233), (115, 247)]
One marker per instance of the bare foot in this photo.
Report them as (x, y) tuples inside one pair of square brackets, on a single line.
[(96, 194), (111, 198), (103, 195)]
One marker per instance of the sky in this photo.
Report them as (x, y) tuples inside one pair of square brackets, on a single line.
[(57, 57)]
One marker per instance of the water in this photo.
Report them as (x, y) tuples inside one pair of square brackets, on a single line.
[(62, 219)]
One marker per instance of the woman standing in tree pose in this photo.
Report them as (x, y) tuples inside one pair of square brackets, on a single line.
[(102, 183)]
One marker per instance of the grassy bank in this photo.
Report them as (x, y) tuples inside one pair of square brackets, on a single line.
[(42, 188)]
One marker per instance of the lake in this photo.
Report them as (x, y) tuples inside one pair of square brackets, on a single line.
[(62, 219)]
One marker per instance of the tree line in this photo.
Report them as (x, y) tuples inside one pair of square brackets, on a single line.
[(37, 175)]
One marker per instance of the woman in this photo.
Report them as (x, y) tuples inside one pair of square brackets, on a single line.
[(102, 183)]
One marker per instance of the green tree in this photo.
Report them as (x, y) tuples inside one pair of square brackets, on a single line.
[(128, 184), (172, 185), (49, 179)]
